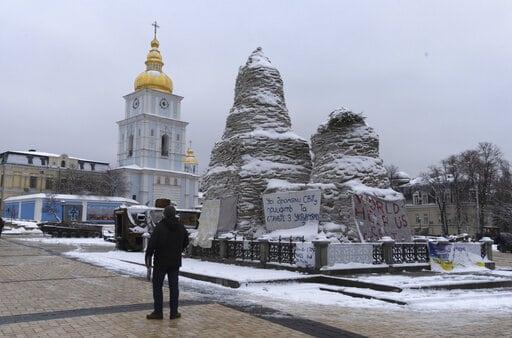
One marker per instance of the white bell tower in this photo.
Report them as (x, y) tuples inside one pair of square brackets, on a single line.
[(152, 136)]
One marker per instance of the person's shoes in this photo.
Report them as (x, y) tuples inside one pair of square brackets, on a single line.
[(175, 316), (155, 315)]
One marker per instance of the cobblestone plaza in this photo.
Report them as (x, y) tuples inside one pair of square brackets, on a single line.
[(43, 293)]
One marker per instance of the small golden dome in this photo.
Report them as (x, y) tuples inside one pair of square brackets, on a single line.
[(190, 158), (154, 77)]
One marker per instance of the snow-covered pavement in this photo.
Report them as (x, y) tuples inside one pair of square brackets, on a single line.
[(254, 288)]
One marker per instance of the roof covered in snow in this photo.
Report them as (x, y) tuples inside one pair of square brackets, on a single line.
[(71, 197), (136, 167), (45, 154)]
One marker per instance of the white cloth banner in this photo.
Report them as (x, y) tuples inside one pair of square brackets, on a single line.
[(208, 223), (291, 209)]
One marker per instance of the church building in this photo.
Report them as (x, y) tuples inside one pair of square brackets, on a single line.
[(152, 150)]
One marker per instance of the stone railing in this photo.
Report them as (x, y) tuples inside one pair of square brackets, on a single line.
[(323, 253)]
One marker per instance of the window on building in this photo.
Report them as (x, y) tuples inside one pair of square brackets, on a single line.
[(30, 160), (424, 198), (130, 146), (33, 182), (63, 164), (93, 166), (167, 180), (49, 183), (152, 132), (418, 219), (81, 164), (165, 145), (158, 180), (416, 199), (134, 197), (177, 137), (425, 218)]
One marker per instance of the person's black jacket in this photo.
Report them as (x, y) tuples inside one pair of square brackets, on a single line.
[(167, 243), (1, 224)]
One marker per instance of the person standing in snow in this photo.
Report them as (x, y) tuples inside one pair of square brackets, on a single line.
[(1, 226), (167, 242)]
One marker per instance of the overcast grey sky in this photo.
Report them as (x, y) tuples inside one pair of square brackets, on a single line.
[(433, 77)]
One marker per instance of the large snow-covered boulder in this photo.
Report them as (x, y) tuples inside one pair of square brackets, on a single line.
[(345, 149), (257, 145)]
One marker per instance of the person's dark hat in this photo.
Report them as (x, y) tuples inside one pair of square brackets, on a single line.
[(169, 212)]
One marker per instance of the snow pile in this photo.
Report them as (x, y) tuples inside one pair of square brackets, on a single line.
[(21, 231), (21, 227), (71, 241), (25, 224), (258, 144), (386, 194), (274, 185), (260, 133), (139, 230), (308, 232)]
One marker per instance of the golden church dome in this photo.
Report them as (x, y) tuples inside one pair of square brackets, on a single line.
[(190, 158), (154, 77)]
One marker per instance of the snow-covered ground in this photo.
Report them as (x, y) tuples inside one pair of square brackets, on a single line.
[(410, 281), (21, 231), (293, 292), (242, 274), (70, 241), (15, 227)]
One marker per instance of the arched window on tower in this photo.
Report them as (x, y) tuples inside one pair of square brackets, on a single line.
[(130, 146), (165, 145)]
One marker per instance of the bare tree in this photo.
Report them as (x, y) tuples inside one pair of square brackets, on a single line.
[(114, 183), (392, 170), (109, 183), (438, 184), (458, 186), (502, 199), (482, 169), (52, 206)]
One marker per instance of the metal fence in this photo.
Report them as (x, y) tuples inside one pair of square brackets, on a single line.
[(280, 251), (402, 253), (378, 256), (410, 253)]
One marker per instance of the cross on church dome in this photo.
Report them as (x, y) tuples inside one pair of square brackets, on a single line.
[(154, 77), (155, 24)]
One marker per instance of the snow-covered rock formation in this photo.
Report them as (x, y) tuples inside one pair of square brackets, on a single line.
[(257, 145), (346, 151)]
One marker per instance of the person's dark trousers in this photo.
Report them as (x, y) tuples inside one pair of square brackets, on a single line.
[(158, 281)]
